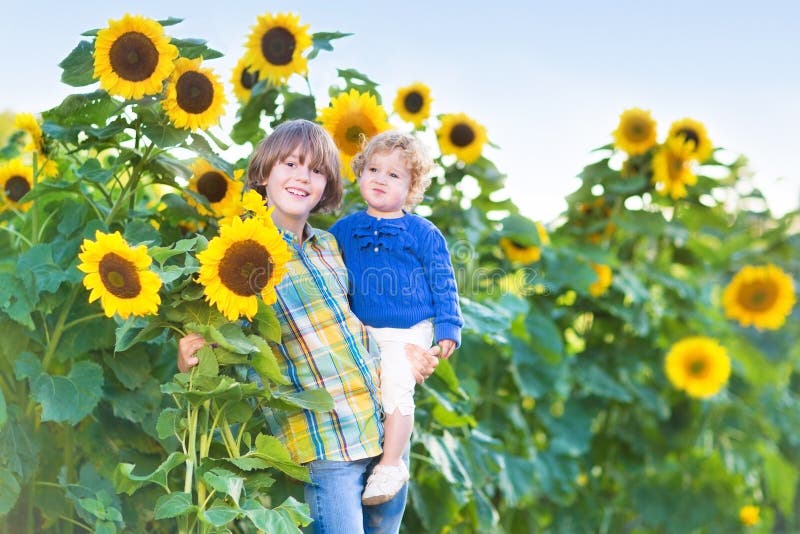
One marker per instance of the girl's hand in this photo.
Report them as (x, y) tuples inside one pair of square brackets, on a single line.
[(423, 362), (448, 346), (187, 350)]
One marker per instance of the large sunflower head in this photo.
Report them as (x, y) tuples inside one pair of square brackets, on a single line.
[(28, 123), (352, 119), (636, 131), (461, 136), (221, 191), (119, 276), (276, 45), (693, 133), (603, 281), (413, 103), (520, 253), (245, 261), (672, 168), (761, 296), (243, 79), (698, 365), (195, 98), (133, 57), (16, 179)]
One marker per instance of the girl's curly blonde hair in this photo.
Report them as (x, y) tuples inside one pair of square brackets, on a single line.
[(414, 153)]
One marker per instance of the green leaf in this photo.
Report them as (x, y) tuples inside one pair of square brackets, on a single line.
[(545, 335), (224, 481), (208, 365), (596, 381), (297, 106), (322, 41), (19, 449), (92, 171), (193, 48), (516, 478), (169, 422), (162, 254), (9, 491), (219, 514), (64, 398), (521, 230), (269, 520), (316, 400), (781, 478), (134, 330), (265, 363), (267, 323), (3, 410), (158, 129), (571, 432), (81, 111), (172, 505), (15, 300), (38, 261), (275, 454), (126, 482), (359, 81), (132, 368), (78, 66), (228, 336), (171, 21)]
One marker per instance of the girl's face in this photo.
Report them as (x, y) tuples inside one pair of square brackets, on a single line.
[(385, 183), (293, 190)]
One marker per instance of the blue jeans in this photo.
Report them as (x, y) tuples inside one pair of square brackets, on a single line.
[(334, 497)]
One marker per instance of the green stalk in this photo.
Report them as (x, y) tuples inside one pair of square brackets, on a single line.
[(69, 467), (136, 174), (52, 344)]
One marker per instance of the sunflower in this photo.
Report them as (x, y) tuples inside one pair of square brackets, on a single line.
[(636, 131), (517, 252), (243, 79), (276, 45), (28, 123), (749, 515), (221, 191), (693, 132), (603, 279), (672, 170), (461, 136), (247, 259), (195, 98), (16, 179), (761, 296), (253, 202), (118, 275), (413, 103), (133, 57), (698, 365), (351, 119)]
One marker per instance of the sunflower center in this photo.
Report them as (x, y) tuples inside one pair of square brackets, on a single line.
[(638, 130), (413, 102), (133, 57), (462, 135), (354, 134), (195, 92), (16, 187), (213, 186), (246, 268), (696, 367), (758, 296), (675, 167), (248, 78), (689, 135), (120, 276), (278, 46)]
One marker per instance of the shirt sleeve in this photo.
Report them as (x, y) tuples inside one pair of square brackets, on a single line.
[(441, 280)]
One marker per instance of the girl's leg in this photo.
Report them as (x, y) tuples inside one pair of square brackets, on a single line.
[(397, 433)]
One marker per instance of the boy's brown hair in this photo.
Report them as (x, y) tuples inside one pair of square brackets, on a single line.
[(314, 143), (414, 153)]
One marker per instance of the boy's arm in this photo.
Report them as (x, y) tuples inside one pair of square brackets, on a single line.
[(441, 280)]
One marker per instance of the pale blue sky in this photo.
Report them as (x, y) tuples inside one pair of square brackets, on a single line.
[(548, 80)]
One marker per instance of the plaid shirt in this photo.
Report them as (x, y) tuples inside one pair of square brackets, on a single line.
[(324, 345)]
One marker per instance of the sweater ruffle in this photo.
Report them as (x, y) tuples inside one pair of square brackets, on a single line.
[(388, 234)]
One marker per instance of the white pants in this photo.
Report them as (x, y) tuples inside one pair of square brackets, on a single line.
[(397, 379)]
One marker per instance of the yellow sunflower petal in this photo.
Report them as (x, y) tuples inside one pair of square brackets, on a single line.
[(16, 179), (636, 131), (462, 137), (28, 123), (749, 515), (352, 119), (195, 98), (220, 190), (276, 45), (698, 365), (603, 282), (672, 170), (245, 261), (133, 57), (759, 296), (243, 78), (413, 103), (693, 133), (117, 275)]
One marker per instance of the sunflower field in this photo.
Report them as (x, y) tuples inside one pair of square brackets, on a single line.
[(631, 366)]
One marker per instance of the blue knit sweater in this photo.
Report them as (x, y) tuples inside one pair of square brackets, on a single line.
[(400, 273)]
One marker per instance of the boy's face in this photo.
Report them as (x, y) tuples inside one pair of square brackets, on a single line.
[(385, 183), (294, 189)]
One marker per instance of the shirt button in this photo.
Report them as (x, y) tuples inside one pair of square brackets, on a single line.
[(376, 249)]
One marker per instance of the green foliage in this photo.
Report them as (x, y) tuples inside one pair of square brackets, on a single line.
[(555, 414)]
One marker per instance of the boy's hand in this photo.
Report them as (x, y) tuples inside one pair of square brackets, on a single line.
[(447, 346), (187, 348), (423, 362)]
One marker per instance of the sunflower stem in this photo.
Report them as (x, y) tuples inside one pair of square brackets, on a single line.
[(69, 462), (76, 322), (129, 186), (52, 344)]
